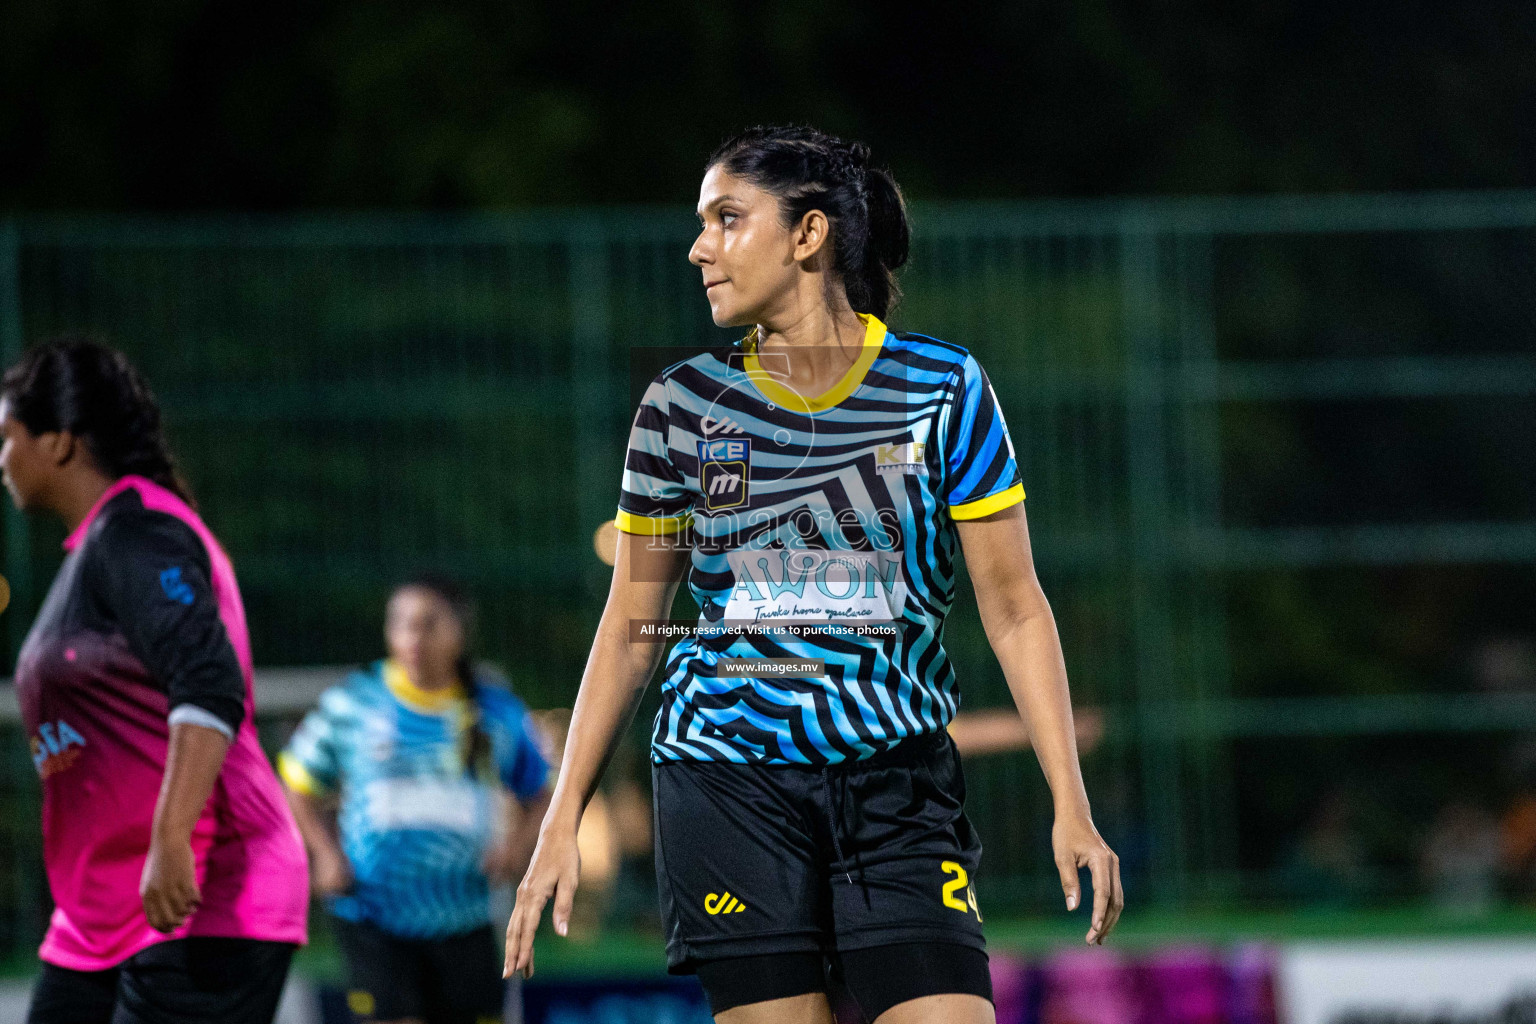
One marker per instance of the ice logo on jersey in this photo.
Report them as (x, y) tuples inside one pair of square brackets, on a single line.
[(725, 467), (55, 747), (785, 586), (176, 588)]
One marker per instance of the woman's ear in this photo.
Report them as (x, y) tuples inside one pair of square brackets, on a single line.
[(59, 446), (811, 235)]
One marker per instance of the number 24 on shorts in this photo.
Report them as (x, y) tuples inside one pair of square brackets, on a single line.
[(953, 887)]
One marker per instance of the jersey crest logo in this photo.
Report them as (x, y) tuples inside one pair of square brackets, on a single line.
[(725, 468), (176, 588)]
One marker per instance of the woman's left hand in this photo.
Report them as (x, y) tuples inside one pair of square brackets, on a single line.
[(1077, 844), (168, 886)]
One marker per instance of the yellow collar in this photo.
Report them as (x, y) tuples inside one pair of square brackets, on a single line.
[(427, 702), (766, 382)]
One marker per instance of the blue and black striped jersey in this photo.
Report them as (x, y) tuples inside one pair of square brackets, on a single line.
[(817, 515), (415, 820)]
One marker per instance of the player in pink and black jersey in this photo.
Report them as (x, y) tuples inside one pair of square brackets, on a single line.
[(178, 875)]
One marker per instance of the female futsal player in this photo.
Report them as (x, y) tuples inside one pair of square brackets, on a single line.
[(818, 475), (418, 748), (177, 873)]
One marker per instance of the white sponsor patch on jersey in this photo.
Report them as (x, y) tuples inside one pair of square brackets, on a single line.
[(422, 803), (802, 586)]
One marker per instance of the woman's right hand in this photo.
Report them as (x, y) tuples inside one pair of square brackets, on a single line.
[(329, 871), (553, 872)]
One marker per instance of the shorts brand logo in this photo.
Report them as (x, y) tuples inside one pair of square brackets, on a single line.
[(724, 903)]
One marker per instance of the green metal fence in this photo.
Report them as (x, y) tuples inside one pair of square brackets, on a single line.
[(354, 397)]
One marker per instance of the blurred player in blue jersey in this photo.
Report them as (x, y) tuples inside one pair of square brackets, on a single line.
[(419, 751), (816, 478)]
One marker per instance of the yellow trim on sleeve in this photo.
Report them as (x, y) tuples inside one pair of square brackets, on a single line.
[(651, 526), (986, 506), (767, 383), (297, 777)]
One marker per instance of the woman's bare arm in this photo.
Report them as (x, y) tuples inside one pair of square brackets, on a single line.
[(645, 579), (1022, 631), (168, 886), (329, 871)]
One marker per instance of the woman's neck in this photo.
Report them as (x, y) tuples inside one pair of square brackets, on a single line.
[(807, 321), (823, 342), (433, 682), (75, 492)]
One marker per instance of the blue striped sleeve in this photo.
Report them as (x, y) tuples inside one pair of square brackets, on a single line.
[(311, 763), (981, 470), (654, 497), (524, 769)]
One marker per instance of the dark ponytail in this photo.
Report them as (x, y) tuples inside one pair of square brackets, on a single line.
[(810, 170), (93, 392), (475, 747)]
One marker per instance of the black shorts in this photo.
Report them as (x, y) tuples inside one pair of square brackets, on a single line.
[(196, 980), (759, 860), (453, 980)]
